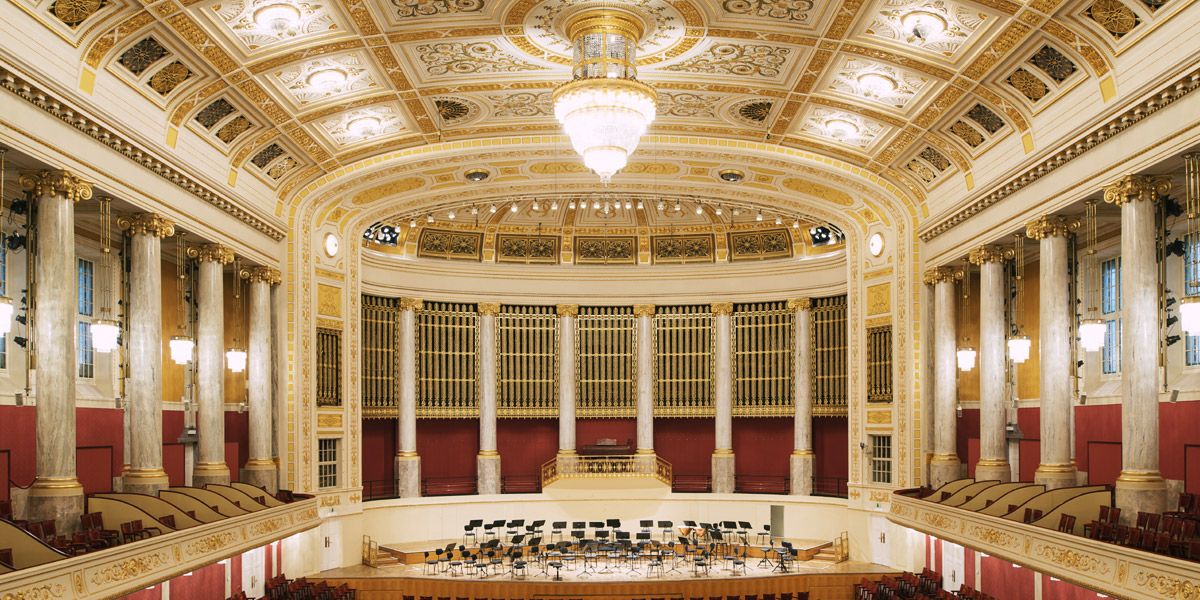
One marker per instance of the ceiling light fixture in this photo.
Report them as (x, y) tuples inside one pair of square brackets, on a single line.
[(492, 208), (429, 218), (364, 127), (277, 18), (1189, 305), (450, 213), (181, 343), (104, 329), (758, 217), (571, 205), (1092, 328), (923, 25), (412, 222), (778, 220), (536, 206), (628, 205), (795, 223), (328, 81), (699, 209), (874, 84), (965, 354), (718, 211), (640, 205), (554, 205), (513, 208), (1019, 344), (840, 128), (604, 108)]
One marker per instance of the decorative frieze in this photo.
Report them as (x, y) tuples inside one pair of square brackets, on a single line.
[(147, 224), (57, 182), (1051, 226), (218, 253), (1137, 187), (988, 253)]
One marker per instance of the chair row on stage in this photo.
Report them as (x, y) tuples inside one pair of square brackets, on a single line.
[(516, 531)]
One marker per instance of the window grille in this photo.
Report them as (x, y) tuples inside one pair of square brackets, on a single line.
[(829, 384), (327, 462), (329, 367), (1110, 306), (879, 364), (881, 459), (527, 362), (380, 372)]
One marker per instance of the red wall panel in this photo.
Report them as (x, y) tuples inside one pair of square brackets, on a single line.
[(378, 449), (972, 456), (447, 447), (1031, 457), (237, 431), (969, 567), (1061, 590), (233, 458), (525, 444), (687, 444), (1003, 581), (235, 574), (761, 446), (1191, 459), (94, 468), (150, 593), (5, 474), (1104, 459), (1177, 429), (100, 427), (1095, 424), (967, 428), (831, 444), (587, 431), (207, 583), (19, 440)]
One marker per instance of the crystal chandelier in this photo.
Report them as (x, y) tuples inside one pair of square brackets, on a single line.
[(604, 108), (1091, 328), (1189, 306)]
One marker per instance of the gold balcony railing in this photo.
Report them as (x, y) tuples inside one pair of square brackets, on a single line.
[(598, 467)]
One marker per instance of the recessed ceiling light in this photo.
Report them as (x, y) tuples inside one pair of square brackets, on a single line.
[(874, 84), (328, 81), (364, 127), (477, 174), (277, 18), (923, 25), (731, 175), (840, 128)]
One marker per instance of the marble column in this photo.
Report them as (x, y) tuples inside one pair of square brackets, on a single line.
[(210, 363), (408, 463), (802, 454), (144, 390), (260, 467), (56, 493), (645, 378), (993, 455), (566, 378), (723, 477), (487, 463), (1140, 487), (945, 465), (1057, 361)]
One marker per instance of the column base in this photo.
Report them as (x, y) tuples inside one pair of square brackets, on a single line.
[(723, 472), (802, 472), (943, 469), (566, 452), (206, 473), (261, 472), (487, 469), (408, 475), (1055, 476), (58, 499), (993, 469), (144, 481), (1140, 491)]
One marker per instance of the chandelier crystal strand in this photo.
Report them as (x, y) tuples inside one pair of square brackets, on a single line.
[(104, 329), (1189, 306), (1018, 342), (1091, 328), (604, 108), (235, 358), (966, 354), (181, 343), (6, 303)]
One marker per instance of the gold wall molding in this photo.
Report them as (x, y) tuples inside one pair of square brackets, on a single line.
[(330, 324), (331, 274), (411, 304), (218, 253), (877, 322), (879, 417), (56, 182), (329, 300), (211, 543), (329, 420), (1137, 187), (879, 299), (877, 273), (1051, 226), (147, 224), (991, 253), (643, 310)]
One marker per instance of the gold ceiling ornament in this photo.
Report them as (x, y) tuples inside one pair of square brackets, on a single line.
[(604, 108), (938, 275), (1050, 226), (147, 224), (218, 253), (1137, 187), (58, 181), (988, 253)]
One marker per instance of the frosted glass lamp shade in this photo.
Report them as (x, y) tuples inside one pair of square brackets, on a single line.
[(1189, 315), (1018, 348), (236, 359), (966, 358), (1091, 334), (104, 335), (181, 349)]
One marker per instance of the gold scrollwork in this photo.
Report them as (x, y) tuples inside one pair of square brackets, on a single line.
[(722, 308), (567, 310), (992, 536), (129, 569), (799, 304), (56, 182), (1050, 226), (218, 253), (1167, 586), (938, 275), (147, 224), (1070, 559), (940, 521), (40, 592), (489, 308), (1137, 187), (643, 310), (268, 527), (211, 543), (991, 253), (268, 275), (309, 514)]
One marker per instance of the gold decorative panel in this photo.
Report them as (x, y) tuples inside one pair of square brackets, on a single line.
[(606, 250), (527, 249), (464, 245), (682, 248), (879, 364), (329, 300), (447, 360), (605, 362), (763, 338), (757, 245), (879, 417), (829, 356), (329, 420), (683, 361), (527, 362), (380, 357), (329, 367), (879, 299)]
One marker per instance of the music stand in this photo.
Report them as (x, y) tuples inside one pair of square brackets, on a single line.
[(614, 523), (622, 535), (667, 528), (596, 526), (577, 533)]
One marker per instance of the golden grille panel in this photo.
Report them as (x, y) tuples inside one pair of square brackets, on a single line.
[(879, 364), (763, 335), (683, 361), (829, 356), (380, 369), (527, 362), (447, 360), (605, 362), (329, 367)]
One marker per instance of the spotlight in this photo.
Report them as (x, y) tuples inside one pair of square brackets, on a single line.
[(474, 210), (660, 205), (412, 222), (429, 218), (640, 206), (554, 205), (571, 205), (718, 211), (492, 208), (513, 208), (628, 205), (477, 174), (536, 206), (450, 214), (778, 220), (699, 209), (795, 224), (758, 217), (595, 205)]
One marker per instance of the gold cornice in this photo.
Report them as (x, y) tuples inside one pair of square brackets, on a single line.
[(1137, 187), (938, 275), (268, 275), (411, 304), (799, 304), (643, 310), (991, 253), (218, 253), (1050, 226), (722, 308), (147, 224), (56, 181), (489, 308), (567, 310)]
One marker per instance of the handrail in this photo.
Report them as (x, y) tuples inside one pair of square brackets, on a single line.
[(762, 484), (830, 486), (520, 484), (627, 465), (691, 483), (449, 486)]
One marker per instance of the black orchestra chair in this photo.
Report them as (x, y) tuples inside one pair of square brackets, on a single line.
[(536, 527), (579, 534), (668, 529), (646, 524), (557, 528), (493, 529), (765, 533), (469, 530), (514, 527)]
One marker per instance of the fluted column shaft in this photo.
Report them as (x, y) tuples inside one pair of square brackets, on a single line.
[(993, 461), (944, 466), (566, 378), (1057, 363), (56, 493), (723, 475), (408, 463), (145, 474), (1140, 487), (260, 467), (645, 377), (487, 463), (802, 454), (210, 364)]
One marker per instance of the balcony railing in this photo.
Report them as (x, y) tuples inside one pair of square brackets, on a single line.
[(449, 486), (830, 486), (692, 483), (520, 484), (762, 484), (589, 467)]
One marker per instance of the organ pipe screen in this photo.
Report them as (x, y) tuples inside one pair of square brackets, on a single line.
[(683, 361), (763, 336), (829, 356), (527, 362), (329, 367), (447, 340), (605, 362), (380, 372), (879, 364)]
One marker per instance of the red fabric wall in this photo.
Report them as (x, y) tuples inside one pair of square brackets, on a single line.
[(173, 455), (378, 449), (1004, 582), (525, 444), (587, 431), (761, 446), (1105, 461), (1061, 590), (94, 468), (19, 440), (687, 444), (235, 574), (447, 447), (150, 593), (967, 429), (207, 583), (5, 475), (237, 441), (831, 444), (969, 567)]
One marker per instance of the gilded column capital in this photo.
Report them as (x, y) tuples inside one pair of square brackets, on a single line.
[(799, 304), (411, 304), (567, 310), (942, 274), (268, 275), (147, 224), (722, 308), (643, 310), (991, 253), (489, 308), (1051, 226), (56, 181), (1137, 187), (218, 253)]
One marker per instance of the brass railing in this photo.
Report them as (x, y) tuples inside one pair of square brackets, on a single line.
[(603, 467)]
